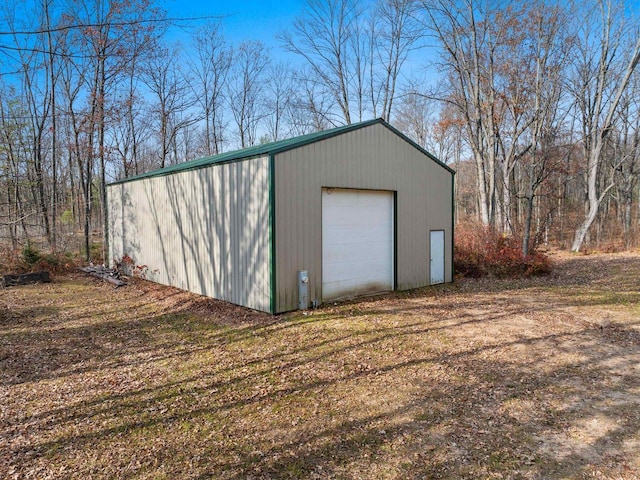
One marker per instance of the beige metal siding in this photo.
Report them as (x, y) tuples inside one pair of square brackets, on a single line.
[(206, 230), (374, 158)]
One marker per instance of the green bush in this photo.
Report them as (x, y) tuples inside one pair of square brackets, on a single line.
[(30, 255), (51, 260), (30, 259)]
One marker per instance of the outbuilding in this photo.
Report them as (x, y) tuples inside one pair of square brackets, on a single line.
[(276, 227)]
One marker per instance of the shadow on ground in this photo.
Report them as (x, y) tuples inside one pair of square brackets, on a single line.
[(505, 379)]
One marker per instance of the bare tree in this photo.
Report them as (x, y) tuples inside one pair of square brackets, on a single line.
[(503, 61), (279, 92), (15, 210), (105, 35), (624, 160), (33, 88), (469, 37), (325, 36), (210, 65), (607, 55), (173, 99), (541, 69), (415, 117), (246, 90), (80, 165), (129, 127), (395, 31), (310, 109), (130, 124), (53, 73)]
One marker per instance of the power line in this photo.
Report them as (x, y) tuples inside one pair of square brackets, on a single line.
[(45, 51), (87, 25), (15, 72), (110, 24)]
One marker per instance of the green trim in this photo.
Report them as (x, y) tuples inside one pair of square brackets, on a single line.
[(453, 222), (395, 240), (251, 152), (273, 149), (304, 140), (418, 147), (272, 231)]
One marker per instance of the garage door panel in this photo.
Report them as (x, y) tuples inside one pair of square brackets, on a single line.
[(354, 198), (349, 216), (339, 235), (357, 242), (365, 270), (336, 290), (345, 255)]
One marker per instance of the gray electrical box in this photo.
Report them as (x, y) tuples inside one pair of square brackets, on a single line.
[(303, 290)]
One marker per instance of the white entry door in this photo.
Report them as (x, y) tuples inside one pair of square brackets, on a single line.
[(437, 256), (357, 242)]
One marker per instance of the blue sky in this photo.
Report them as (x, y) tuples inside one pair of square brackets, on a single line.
[(263, 21), (241, 19)]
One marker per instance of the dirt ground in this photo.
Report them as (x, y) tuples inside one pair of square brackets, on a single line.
[(516, 378)]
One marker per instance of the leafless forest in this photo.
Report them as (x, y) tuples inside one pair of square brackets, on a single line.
[(534, 103)]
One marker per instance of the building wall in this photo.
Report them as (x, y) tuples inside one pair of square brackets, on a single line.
[(205, 230), (372, 157)]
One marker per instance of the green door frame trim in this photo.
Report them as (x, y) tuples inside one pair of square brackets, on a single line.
[(395, 240)]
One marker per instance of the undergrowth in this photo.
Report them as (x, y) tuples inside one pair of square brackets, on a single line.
[(31, 259), (480, 251)]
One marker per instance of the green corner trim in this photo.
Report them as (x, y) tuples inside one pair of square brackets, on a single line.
[(272, 231), (453, 223)]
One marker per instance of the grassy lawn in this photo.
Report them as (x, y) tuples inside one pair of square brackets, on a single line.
[(531, 378)]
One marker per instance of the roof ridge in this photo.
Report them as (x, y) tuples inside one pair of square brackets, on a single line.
[(270, 148)]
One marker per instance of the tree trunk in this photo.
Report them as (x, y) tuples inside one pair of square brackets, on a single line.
[(526, 234), (54, 131), (482, 190)]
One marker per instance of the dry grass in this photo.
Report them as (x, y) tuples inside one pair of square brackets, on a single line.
[(531, 378)]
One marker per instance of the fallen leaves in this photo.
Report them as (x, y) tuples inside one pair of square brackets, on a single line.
[(525, 378)]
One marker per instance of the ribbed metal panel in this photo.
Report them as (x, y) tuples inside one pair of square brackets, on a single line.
[(374, 158), (205, 230)]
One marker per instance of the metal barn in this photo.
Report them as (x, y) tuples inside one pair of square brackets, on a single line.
[(277, 227)]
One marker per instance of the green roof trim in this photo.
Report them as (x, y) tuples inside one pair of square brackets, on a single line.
[(272, 148), (408, 140)]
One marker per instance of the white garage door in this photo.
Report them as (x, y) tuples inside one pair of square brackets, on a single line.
[(357, 242)]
